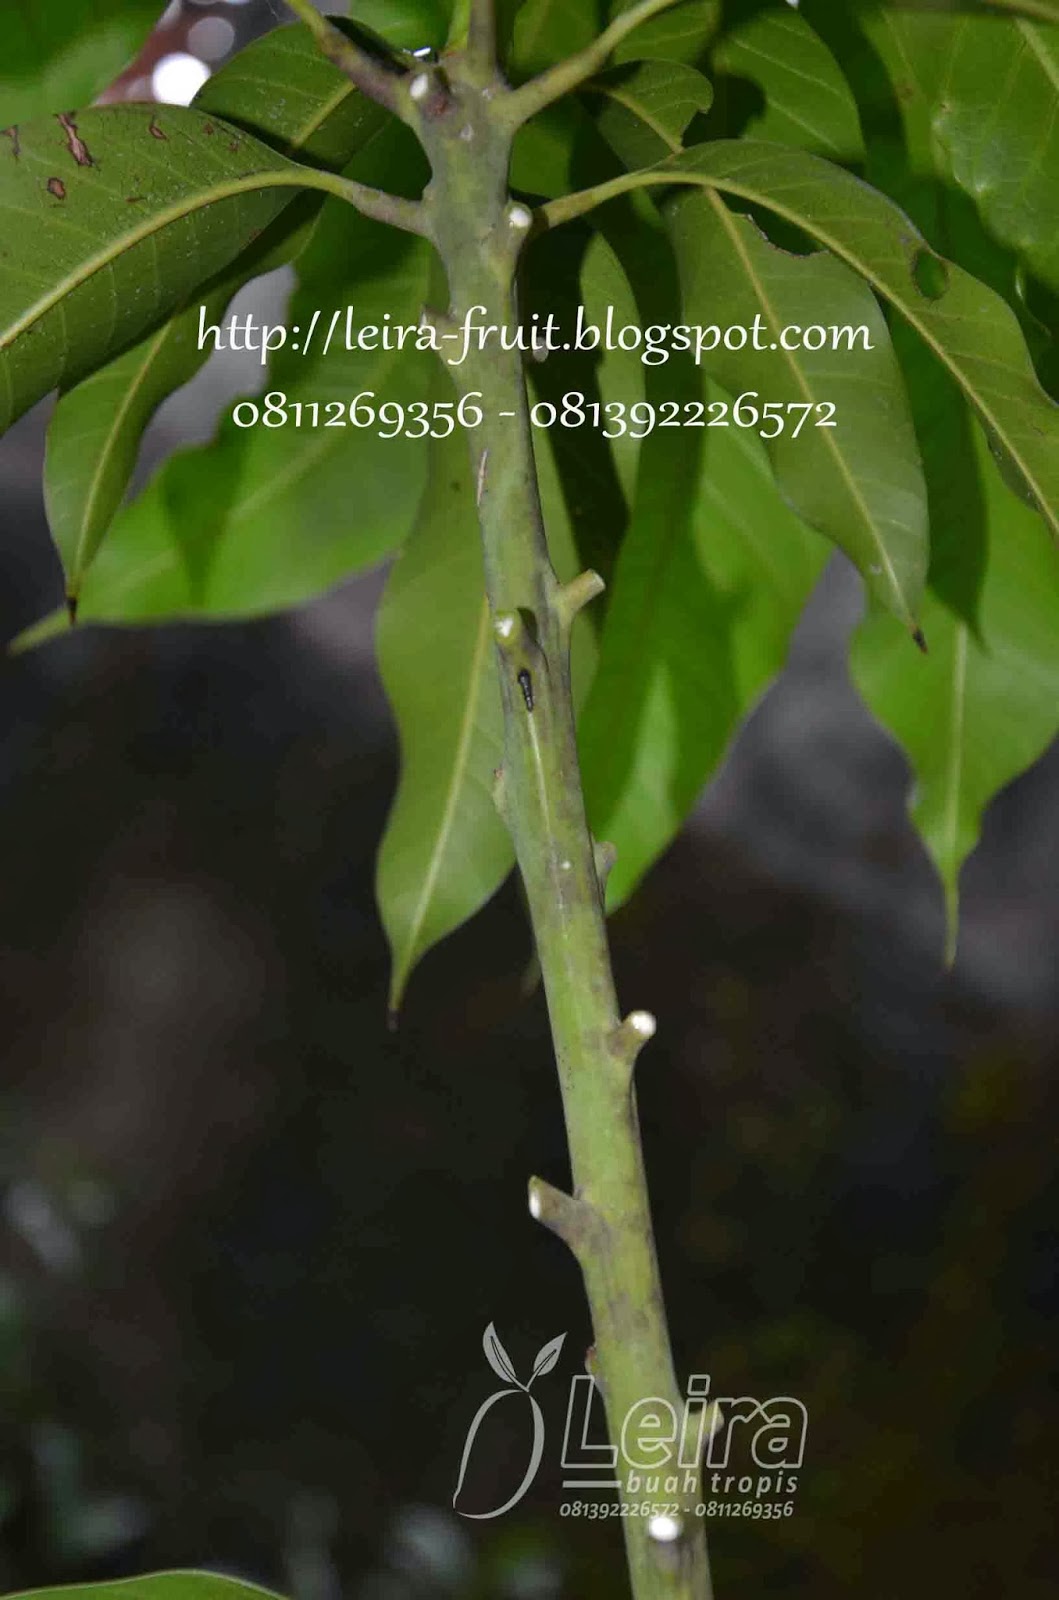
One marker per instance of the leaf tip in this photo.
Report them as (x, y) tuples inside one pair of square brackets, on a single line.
[(919, 639)]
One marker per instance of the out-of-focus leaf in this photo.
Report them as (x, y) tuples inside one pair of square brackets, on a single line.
[(445, 849), (968, 327), (281, 90), (156, 1586), (991, 86), (118, 214), (55, 56), (269, 516), (808, 102), (411, 24), (984, 705)]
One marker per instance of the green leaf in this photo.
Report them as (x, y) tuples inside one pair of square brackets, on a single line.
[(711, 574), (808, 102), (118, 215), (445, 850), (860, 481), (266, 517), (991, 86), (645, 108), (157, 1586), (58, 56), (969, 328), (546, 31), (680, 34), (283, 91), (984, 705), (708, 588)]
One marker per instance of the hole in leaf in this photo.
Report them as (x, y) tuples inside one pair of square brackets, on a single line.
[(930, 274)]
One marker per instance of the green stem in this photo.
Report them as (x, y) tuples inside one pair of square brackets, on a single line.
[(606, 1221)]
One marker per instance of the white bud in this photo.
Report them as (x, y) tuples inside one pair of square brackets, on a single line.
[(504, 626), (520, 216), (535, 1204), (664, 1529), (419, 87), (642, 1024)]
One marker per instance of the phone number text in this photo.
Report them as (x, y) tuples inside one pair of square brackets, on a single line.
[(612, 419)]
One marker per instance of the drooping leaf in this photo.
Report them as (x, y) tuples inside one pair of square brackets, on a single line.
[(808, 102), (711, 575), (991, 87), (155, 1586), (56, 56), (984, 705), (859, 481), (270, 515), (701, 612), (281, 90), (118, 213), (968, 327), (445, 850)]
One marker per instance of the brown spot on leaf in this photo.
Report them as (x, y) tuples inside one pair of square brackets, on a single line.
[(56, 187), (16, 143), (131, 199), (234, 146), (74, 142), (155, 131), (207, 127)]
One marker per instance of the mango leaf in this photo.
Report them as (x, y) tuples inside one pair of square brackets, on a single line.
[(284, 92), (57, 56), (156, 1586), (860, 481), (968, 327), (119, 213), (680, 34), (984, 705), (548, 30), (808, 102), (992, 90), (711, 575), (265, 516), (644, 109), (445, 850), (705, 596)]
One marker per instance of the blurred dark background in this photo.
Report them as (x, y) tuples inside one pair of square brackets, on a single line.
[(249, 1239)]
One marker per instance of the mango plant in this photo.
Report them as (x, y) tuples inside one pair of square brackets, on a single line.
[(610, 324)]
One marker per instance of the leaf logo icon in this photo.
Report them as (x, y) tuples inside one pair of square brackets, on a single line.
[(547, 1356), (498, 1357), (502, 1365)]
